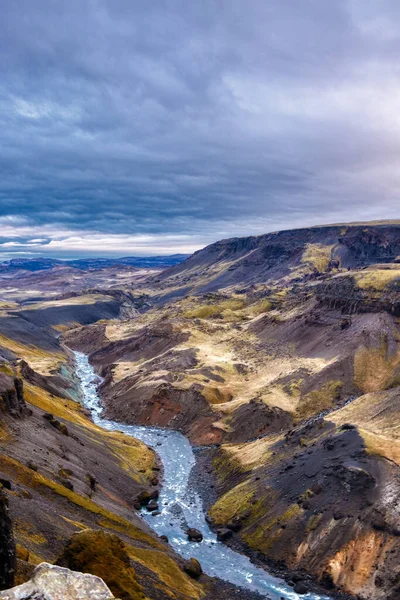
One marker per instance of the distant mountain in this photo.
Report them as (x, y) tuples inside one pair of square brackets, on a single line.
[(130, 261), (84, 264)]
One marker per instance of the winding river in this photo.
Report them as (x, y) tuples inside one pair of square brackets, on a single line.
[(181, 506)]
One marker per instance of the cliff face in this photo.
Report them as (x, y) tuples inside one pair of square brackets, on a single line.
[(253, 260), (12, 395), (7, 545), (315, 500)]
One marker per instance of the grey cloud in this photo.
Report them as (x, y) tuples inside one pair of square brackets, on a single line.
[(200, 120)]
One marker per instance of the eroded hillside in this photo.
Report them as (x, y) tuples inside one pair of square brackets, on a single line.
[(282, 354), (61, 474), (294, 368)]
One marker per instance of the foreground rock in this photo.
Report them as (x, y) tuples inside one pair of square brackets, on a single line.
[(50, 582), (193, 568)]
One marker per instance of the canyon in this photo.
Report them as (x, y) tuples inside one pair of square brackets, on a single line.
[(276, 356)]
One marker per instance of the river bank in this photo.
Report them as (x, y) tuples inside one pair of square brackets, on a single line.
[(180, 505), (203, 479)]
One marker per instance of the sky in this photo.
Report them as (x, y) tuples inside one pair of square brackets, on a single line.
[(130, 127)]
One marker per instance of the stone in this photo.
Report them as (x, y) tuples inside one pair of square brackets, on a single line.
[(66, 483), (144, 498), (92, 481), (327, 580), (61, 427), (300, 588), (152, 506), (51, 582), (224, 534), (193, 568), (337, 515), (194, 535), (234, 525)]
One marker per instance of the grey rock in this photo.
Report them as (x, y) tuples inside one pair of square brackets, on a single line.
[(194, 535), (56, 583)]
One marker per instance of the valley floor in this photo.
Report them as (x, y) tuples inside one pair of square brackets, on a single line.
[(281, 354)]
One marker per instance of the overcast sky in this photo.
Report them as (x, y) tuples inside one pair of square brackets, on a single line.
[(156, 127)]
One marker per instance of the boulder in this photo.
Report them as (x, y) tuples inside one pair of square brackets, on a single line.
[(300, 588), (50, 582), (194, 535), (193, 568), (152, 505)]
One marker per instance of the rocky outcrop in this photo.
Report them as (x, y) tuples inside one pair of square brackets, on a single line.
[(343, 294), (7, 545), (256, 419), (12, 396), (257, 259), (50, 582), (57, 385)]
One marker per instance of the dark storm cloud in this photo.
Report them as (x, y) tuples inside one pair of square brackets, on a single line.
[(133, 126)]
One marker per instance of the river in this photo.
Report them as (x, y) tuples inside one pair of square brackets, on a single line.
[(181, 506)]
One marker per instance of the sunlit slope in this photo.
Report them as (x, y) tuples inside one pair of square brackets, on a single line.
[(236, 366), (253, 260)]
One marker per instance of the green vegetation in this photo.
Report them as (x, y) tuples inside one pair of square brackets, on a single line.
[(265, 535), (377, 278), (294, 387), (317, 256), (225, 465), (319, 400), (6, 369), (105, 555), (313, 522), (170, 575), (375, 369), (233, 503), (261, 307), (223, 309), (44, 485), (132, 455)]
